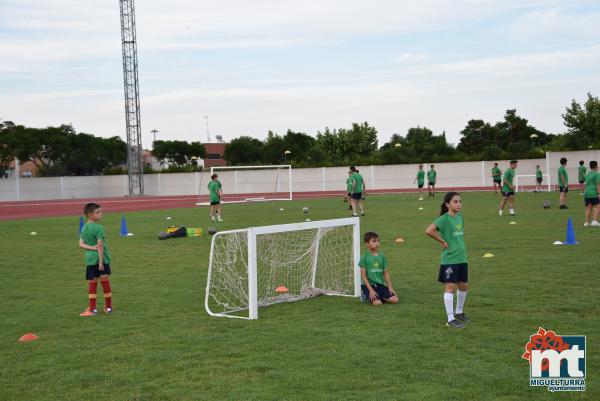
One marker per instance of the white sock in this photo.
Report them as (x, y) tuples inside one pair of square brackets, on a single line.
[(511, 211), (500, 212), (449, 303), (460, 301)]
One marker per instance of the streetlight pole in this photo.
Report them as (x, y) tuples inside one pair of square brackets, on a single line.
[(207, 133), (154, 131)]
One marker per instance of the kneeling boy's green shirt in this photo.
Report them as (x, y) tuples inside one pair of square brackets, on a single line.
[(375, 266), (451, 230), (90, 234)]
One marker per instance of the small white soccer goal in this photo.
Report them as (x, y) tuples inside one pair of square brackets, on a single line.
[(525, 182), (254, 183), (261, 266)]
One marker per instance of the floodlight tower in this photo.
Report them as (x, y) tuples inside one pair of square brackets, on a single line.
[(135, 169)]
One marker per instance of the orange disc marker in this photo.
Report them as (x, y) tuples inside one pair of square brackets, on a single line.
[(25, 338), (281, 288)]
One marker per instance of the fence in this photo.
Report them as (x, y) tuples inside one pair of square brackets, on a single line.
[(401, 177)]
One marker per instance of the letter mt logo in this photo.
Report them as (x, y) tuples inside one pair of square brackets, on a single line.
[(557, 362)]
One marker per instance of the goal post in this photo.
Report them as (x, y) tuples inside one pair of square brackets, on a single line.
[(261, 266), (254, 183), (527, 181)]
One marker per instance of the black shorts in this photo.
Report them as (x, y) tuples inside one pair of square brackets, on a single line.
[(499, 182), (509, 193), (349, 194), (357, 195), (454, 273), (383, 292), (581, 182), (215, 203), (420, 185), (591, 201), (564, 189), (431, 184), (539, 180), (92, 272)]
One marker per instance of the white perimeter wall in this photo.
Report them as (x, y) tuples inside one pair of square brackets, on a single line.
[(453, 175)]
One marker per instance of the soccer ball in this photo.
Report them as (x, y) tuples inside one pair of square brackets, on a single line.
[(305, 209), (546, 204), (163, 235), (211, 230)]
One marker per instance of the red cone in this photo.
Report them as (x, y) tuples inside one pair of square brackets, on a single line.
[(25, 338)]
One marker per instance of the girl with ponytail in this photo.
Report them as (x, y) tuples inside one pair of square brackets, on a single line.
[(448, 230)]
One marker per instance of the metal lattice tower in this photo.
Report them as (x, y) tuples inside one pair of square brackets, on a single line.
[(135, 168)]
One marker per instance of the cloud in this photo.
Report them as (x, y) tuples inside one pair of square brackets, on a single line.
[(409, 58)]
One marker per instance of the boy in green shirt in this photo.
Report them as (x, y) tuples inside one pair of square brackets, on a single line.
[(539, 177), (376, 283), (357, 194), (508, 189), (431, 176), (497, 178), (591, 196), (348, 196), (563, 183), (581, 170), (215, 191), (448, 230), (420, 180), (97, 259)]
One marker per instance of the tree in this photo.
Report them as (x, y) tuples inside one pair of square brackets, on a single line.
[(8, 144), (244, 150), (583, 123), (178, 153)]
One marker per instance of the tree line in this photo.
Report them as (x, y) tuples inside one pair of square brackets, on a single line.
[(62, 151)]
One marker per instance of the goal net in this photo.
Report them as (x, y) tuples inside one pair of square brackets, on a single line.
[(262, 266), (254, 183), (527, 182)]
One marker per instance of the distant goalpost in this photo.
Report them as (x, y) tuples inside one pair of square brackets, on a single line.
[(261, 183), (527, 181), (261, 266)]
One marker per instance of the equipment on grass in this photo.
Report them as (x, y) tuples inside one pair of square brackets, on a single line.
[(124, 231), (258, 183), (179, 232), (399, 240), (212, 230), (546, 204), (570, 237), (305, 209), (25, 338), (246, 266)]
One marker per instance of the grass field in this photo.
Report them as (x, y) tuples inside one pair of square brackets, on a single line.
[(160, 344)]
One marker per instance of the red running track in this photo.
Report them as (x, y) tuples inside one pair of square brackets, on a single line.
[(74, 207)]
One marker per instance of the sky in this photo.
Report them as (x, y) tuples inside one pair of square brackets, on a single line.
[(250, 67)]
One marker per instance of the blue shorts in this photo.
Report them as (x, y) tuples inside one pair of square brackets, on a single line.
[(509, 193), (92, 272), (564, 189), (383, 292), (454, 273), (591, 201), (357, 195)]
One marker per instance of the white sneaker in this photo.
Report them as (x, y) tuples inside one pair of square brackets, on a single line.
[(595, 224), (586, 224), (512, 214), (213, 218), (499, 212), (219, 219)]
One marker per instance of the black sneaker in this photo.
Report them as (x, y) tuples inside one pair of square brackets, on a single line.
[(455, 324), (563, 207), (363, 214), (461, 317)]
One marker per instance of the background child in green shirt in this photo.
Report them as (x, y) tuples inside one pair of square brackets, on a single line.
[(448, 230), (591, 196), (420, 180), (563, 183), (215, 190), (431, 179), (508, 189), (497, 178), (581, 172), (376, 282), (97, 259)]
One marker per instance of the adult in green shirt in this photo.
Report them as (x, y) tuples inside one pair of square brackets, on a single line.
[(420, 180), (376, 282), (539, 177), (431, 178), (357, 194), (508, 189), (497, 178), (581, 172), (448, 230), (591, 196), (348, 196), (563, 183), (215, 191)]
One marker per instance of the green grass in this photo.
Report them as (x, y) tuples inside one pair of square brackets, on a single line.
[(160, 344)]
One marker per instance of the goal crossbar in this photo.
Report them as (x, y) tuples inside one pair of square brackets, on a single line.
[(247, 267)]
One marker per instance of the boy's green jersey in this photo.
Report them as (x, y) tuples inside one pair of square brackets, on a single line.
[(451, 230), (581, 170), (509, 175), (496, 173), (421, 177), (431, 176), (563, 177), (358, 179), (90, 234), (375, 265), (592, 179), (538, 173), (349, 185), (213, 189)]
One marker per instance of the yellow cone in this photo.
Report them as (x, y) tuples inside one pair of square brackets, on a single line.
[(399, 240), (488, 255)]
